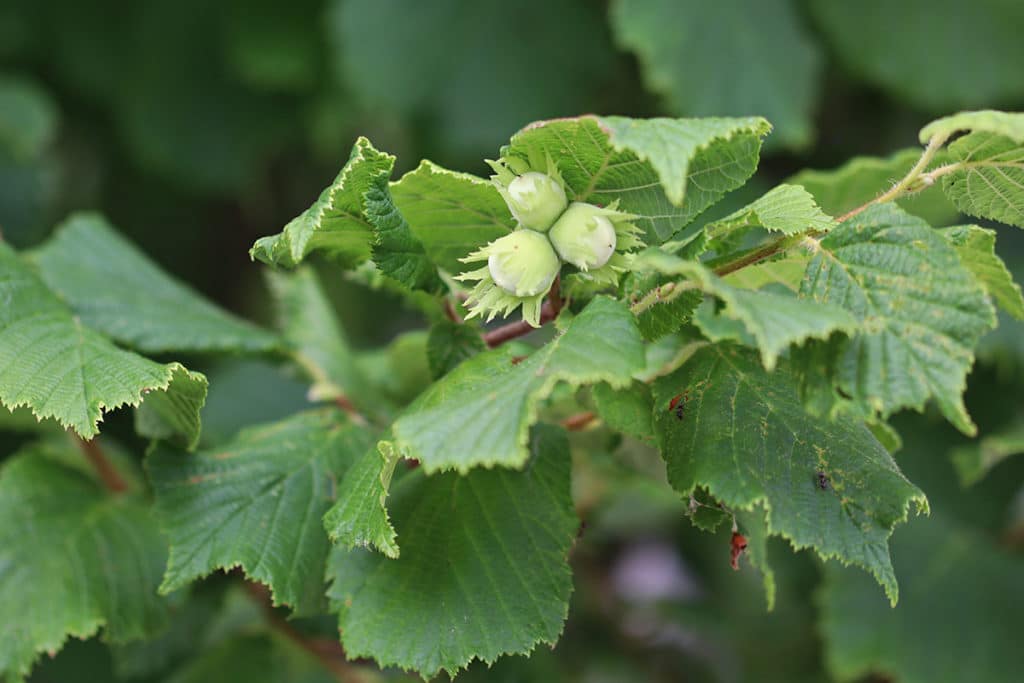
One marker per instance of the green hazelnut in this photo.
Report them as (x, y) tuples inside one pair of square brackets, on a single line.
[(522, 263), (584, 236), (536, 200)]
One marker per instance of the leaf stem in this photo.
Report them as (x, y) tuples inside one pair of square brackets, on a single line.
[(328, 652), (106, 471)]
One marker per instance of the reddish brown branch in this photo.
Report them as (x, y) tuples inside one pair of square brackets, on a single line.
[(450, 312), (548, 312), (350, 409), (328, 652), (108, 474), (579, 421)]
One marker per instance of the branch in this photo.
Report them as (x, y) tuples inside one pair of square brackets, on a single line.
[(548, 312), (914, 181), (108, 474), (350, 409), (578, 422), (329, 652)]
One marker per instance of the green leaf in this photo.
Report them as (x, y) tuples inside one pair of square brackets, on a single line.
[(450, 343), (174, 414), (483, 571), (73, 559), (916, 49), (335, 224), (974, 460), (59, 368), (959, 618), (360, 517), (861, 179), (627, 410), (987, 179), (690, 50), (396, 251), (664, 317), (314, 335), (788, 209), (463, 105), (1001, 123), (114, 288), (28, 118), (356, 218), (772, 321), (450, 213), (481, 412), (977, 249), (664, 171), (922, 312), (254, 658), (257, 503), (22, 420), (746, 437), (785, 271)]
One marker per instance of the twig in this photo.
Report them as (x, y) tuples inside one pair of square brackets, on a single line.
[(108, 474), (548, 312), (350, 409), (450, 312), (579, 421), (912, 182), (329, 652)]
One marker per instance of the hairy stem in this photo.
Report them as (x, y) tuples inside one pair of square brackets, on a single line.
[(914, 181), (903, 187), (108, 474)]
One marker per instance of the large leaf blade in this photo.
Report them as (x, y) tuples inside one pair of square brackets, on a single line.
[(483, 570), (114, 288)]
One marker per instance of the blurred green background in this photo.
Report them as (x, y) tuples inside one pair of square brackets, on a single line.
[(197, 127)]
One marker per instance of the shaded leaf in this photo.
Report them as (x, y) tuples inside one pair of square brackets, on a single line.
[(765, 320), (974, 460), (450, 343), (922, 312), (483, 570), (747, 439), (314, 335), (688, 49), (664, 171), (626, 409), (481, 412), (988, 178), (788, 209), (977, 249), (861, 179), (73, 559), (52, 363), (915, 49), (451, 213), (958, 620), (116, 289), (335, 224), (359, 517), (257, 503)]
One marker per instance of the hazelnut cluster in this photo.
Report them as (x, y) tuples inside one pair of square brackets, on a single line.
[(551, 230)]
